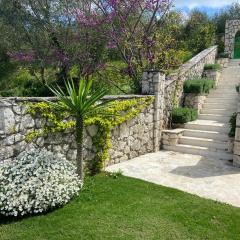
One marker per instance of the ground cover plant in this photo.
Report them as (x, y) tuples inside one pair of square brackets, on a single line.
[(35, 182), (118, 207)]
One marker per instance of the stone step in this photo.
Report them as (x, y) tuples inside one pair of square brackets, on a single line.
[(219, 105), (223, 91), (221, 100), (219, 95), (206, 134), (208, 125), (215, 117), (204, 142), (231, 88), (222, 111), (203, 151), (227, 84)]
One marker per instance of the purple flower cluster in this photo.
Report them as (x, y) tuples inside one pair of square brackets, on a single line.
[(22, 56), (90, 19)]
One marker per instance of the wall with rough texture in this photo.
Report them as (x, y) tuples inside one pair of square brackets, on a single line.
[(194, 101), (133, 138), (194, 68), (130, 139), (223, 62), (231, 28)]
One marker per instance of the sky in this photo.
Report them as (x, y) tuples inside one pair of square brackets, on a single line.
[(210, 6)]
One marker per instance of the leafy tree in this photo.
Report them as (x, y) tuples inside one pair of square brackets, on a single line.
[(199, 31), (220, 18), (49, 35), (133, 29), (80, 102)]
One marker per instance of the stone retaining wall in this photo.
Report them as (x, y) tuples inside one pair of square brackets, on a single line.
[(231, 28), (223, 62), (133, 138), (213, 74), (193, 100), (130, 139), (194, 68)]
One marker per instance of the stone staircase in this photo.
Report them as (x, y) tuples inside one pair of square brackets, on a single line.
[(208, 135)]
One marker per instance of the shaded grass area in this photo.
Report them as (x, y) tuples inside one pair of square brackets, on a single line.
[(123, 208)]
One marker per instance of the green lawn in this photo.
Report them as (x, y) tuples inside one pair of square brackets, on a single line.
[(125, 208)]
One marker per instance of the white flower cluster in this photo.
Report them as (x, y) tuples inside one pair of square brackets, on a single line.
[(35, 182)]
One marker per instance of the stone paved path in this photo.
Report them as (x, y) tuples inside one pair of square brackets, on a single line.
[(205, 177)]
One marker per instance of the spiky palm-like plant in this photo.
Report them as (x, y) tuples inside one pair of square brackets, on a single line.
[(80, 102)]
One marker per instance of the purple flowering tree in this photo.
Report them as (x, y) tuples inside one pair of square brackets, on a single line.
[(61, 34), (133, 28)]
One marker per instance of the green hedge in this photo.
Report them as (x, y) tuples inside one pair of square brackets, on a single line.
[(198, 86), (212, 67), (184, 115)]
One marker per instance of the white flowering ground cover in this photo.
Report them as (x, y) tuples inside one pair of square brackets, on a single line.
[(36, 182)]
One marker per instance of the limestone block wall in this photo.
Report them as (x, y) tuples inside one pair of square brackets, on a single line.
[(213, 74), (223, 62), (232, 27), (130, 139), (194, 101), (194, 68)]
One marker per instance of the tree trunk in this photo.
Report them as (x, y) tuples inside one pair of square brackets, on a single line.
[(79, 140)]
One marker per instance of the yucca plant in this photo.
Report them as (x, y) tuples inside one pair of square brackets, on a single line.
[(80, 102)]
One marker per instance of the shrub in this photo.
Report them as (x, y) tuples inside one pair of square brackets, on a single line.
[(35, 182), (198, 86), (184, 55), (232, 123), (208, 85), (212, 66), (193, 86), (184, 115)]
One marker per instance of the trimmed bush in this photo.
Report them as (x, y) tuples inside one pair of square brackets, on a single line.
[(184, 115), (208, 85), (215, 66), (198, 86), (37, 181)]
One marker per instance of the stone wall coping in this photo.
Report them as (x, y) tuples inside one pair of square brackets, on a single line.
[(40, 99), (174, 131), (189, 65)]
